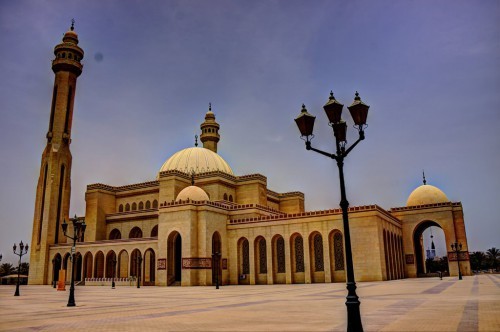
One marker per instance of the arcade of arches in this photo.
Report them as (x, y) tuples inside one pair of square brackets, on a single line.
[(166, 231)]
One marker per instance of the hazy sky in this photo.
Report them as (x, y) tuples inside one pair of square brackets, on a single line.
[(430, 70)]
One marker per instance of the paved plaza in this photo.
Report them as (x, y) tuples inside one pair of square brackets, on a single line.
[(429, 304)]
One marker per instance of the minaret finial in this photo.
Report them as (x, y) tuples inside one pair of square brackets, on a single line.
[(210, 107), (195, 140), (72, 24), (423, 175)]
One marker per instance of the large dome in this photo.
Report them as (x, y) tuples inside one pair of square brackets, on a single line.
[(426, 194), (193, 193), (198, 160)]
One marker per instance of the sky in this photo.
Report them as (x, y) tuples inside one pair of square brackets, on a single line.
[(430, 71)]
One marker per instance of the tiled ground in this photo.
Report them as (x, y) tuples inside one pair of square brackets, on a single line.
[(472, 304)]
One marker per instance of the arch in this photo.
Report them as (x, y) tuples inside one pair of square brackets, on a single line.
[(297, 258), (149, 267), (225, 196), (78, 267), (279, 259), (99, 265), (87, 265), (66, 261), (174, 258), (230, 198), (148, 205), (120, 208), (115, 234), (243, 261), (154, 231), (136, 264), (56, 266), (135, 233), (216, 266), (134, 206), (386, 257), (122, 269), (155, 204), (418, 248), (260, 250), (110, 264), (141, 205), (127, 207)]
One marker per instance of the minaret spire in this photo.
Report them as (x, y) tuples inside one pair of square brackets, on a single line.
[(423, 175), (210, 131)]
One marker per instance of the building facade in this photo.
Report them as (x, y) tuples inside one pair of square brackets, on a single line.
[(198, 221)]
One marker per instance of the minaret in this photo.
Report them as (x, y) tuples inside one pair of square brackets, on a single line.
[(54, 184), (210, 131)]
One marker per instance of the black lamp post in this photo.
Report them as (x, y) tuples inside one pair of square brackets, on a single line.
[(305, 122), (113, 261), (456, 247), (78, 233), (216, 266), (139, 261), (23, 250)]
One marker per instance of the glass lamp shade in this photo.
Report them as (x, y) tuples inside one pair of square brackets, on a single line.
[(14, 247), (305, 122), (359, 111), (340, 131), (21, 246), (26, 248), (64, 226), (333, 109)]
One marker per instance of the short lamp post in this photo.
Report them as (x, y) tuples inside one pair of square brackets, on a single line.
[(456, 248), (78, 233), (216, 267), (23, 250), (113, 261), (305, 122), (139, 262)]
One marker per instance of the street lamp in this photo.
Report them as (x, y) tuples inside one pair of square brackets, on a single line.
[(78, 233), (216, 267), (113, 261), (305, 122), (139, 261), (23, 250), (456, 247)]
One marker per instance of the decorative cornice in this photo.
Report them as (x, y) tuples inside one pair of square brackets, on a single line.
[(222, 205), (82, 244), (142, 185), (426, 206)]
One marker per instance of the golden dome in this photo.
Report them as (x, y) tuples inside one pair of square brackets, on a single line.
[(192, 193), (426, 194), (197, 160)]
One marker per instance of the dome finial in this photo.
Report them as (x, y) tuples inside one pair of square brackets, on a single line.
[(210, 107), (331, 95), (195, 140), (72, 24), (423, 175)]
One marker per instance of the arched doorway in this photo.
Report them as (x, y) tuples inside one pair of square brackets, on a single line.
[(337, 260), (279, 260), (87, 265), (174, 254), (317, 264), (149, 267), (134, 264), (243, 261), (297, 258), (56, 266), (419, 248), (260, 250), (110, 264), (78, 267), (99, 265), (216, 266), (122, 269)]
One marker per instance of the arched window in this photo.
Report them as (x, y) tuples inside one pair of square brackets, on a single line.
[(127, 207), (120, 208), (64, 55), (154, 231), (230, 198), (338, 249), (280, 249), (225, 196), (134, 206), (141, 206), (246, 257), (135, 233), (115, 234), (299, 254), (262, 256), (155, 204), (70, 56), (318, 253), (148, 205)]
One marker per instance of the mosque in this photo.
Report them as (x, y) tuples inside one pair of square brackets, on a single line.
[(198, 221)]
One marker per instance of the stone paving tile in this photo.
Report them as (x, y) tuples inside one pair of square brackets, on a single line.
[(430, 304)]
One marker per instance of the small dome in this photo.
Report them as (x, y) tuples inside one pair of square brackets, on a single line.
[(426, 194), (192, 193), (197, 160)]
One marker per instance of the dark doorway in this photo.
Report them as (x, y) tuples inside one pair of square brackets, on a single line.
[(178, 257), (419, 250)]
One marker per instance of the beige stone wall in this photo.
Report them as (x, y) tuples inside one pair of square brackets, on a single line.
[(99, 203)]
